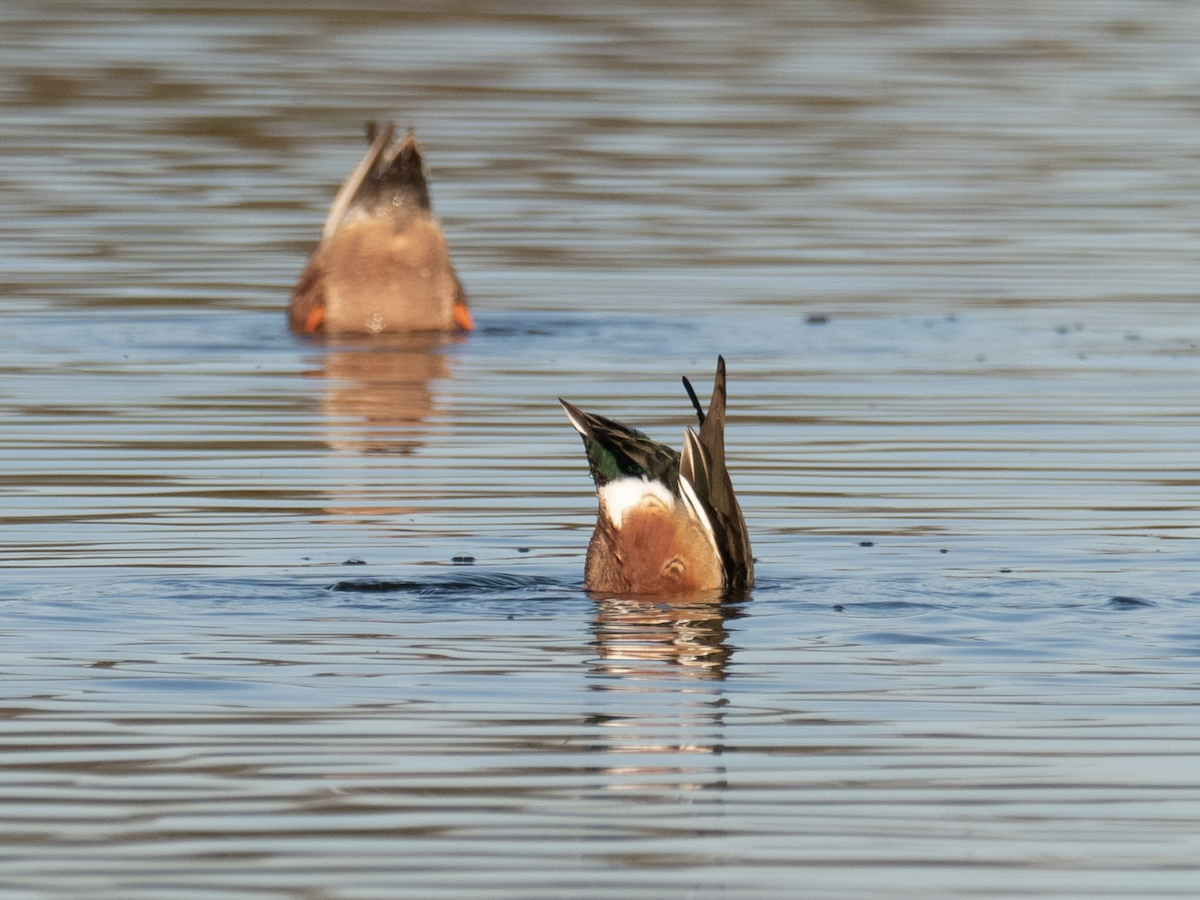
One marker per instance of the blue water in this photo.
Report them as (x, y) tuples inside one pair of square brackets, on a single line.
[(304, 619)]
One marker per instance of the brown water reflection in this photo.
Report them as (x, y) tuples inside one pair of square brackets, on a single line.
[(640, 636), (377, 395)]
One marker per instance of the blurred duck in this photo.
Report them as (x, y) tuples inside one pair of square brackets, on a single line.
[(668, 523), (382, 264)]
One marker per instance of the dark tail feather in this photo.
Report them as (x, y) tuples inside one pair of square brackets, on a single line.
[(735, 549), (401, 169), (691, 392)]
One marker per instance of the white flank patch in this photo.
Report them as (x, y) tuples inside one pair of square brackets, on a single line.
[(620, 496)]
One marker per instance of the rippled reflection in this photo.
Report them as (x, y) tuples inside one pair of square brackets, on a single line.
[(377, 395), (645, 636)]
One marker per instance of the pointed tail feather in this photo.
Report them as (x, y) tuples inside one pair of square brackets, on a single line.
[(354, 182), (708, 469)]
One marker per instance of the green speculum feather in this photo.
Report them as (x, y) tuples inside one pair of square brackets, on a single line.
[(632, 456), (604, 464)]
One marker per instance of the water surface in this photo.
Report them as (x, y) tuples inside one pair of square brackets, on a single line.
[(304, 619)]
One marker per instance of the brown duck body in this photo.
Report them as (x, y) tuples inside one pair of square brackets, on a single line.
[(667, 522), (650, 542), (383, 264)]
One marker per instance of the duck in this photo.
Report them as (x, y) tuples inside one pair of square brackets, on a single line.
[(668, 521), (382, 264)]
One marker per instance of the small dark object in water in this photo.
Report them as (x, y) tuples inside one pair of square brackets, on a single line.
[(354, 561), (866, 543), (1128, 602), (463, 560), (817, 319), (373, 586)]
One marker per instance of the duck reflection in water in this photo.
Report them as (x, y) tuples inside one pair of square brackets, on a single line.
[(657, 705), (379, 395), (642, 636)]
